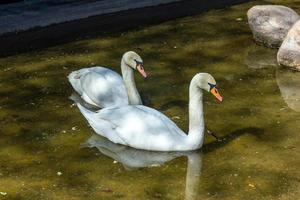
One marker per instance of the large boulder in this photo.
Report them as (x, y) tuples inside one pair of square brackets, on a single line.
[(289, 52), (270, 23)]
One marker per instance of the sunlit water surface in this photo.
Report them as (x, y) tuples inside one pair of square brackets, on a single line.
[(47, 150)]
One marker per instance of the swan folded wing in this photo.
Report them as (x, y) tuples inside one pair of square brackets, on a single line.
[(118, 88), (74, 79), (169, 123), (105, 89), (143, 128), (101, 126)]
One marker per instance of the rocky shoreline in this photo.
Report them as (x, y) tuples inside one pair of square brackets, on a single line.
[(277, 26)]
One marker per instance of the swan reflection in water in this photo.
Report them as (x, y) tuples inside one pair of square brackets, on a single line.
[(133, 159), (288, 81)]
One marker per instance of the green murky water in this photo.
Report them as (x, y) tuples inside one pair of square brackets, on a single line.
[(44, 141)]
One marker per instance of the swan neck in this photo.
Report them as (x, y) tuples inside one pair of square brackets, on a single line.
[(196, 118), (128, 77)]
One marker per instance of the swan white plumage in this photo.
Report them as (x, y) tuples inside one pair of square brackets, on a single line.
[(142, 127), (102, 87)]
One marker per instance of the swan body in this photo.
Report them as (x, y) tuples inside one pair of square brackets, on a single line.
[(99, 86), (102, 87), (145, 128), (137, 126)]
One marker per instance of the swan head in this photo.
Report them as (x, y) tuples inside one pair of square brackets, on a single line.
[(207, 82), (134, 61)]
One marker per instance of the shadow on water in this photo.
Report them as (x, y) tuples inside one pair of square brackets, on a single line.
[(178, 103), (224, 140)]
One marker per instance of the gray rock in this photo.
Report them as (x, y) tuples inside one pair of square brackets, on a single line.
[(270, 23), (289, 52)]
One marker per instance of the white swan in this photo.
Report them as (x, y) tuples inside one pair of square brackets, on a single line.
[(142, 127), (103, 87)]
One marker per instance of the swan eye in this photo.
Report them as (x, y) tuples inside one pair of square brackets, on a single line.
[(211, 86)]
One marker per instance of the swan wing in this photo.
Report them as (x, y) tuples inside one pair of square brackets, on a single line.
[(144, 128), (169, 123), (101, 126), (74, 79), (104, 87)]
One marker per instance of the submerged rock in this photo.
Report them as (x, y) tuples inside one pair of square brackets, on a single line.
[(289, 52), (270, 23)]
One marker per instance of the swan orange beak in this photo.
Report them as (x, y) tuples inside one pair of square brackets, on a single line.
[(140, 68), (216, 93)]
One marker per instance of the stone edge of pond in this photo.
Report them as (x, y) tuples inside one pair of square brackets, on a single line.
[(52, 35)]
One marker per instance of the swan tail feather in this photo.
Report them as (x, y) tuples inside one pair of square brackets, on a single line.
[(88, 114), (75, 98), (101, 126)]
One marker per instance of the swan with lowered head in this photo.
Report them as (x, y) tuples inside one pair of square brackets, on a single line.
[(103, 87), (145, 128)]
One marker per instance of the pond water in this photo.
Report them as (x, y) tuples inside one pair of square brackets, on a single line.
[(47, 150)]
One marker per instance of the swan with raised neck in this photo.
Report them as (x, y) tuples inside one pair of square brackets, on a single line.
[(145, 128), (200, 82), (102, 87), (132, 61)]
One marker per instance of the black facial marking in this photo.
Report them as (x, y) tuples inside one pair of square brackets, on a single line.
[(211, 86), (138, 62)]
